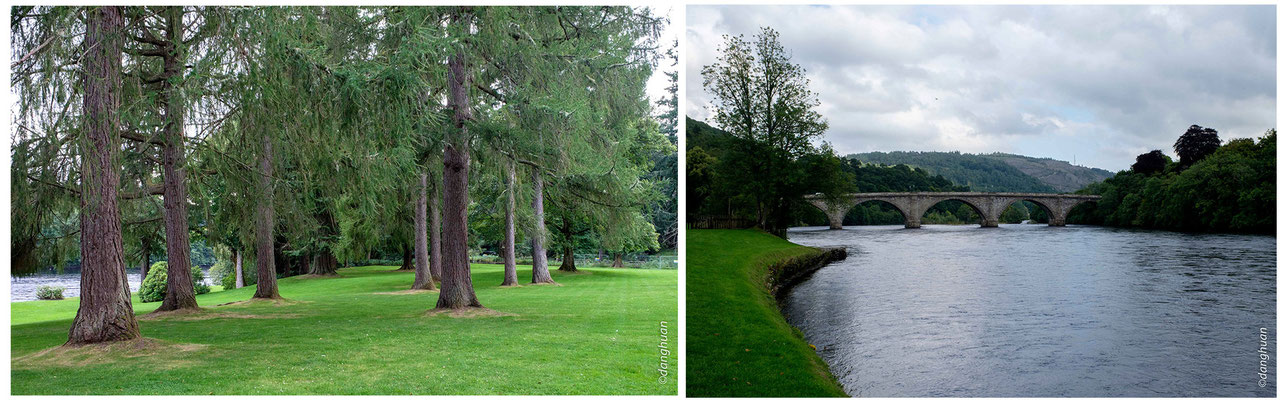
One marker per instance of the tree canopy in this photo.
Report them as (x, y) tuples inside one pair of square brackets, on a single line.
[(308, 138)]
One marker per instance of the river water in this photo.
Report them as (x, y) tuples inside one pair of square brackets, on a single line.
[(1031, 310), (24, 288)]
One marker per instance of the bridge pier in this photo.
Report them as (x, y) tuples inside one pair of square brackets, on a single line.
[(835, 218), (914, 204)]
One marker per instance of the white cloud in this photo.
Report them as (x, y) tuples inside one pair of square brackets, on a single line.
[(1099, 83)]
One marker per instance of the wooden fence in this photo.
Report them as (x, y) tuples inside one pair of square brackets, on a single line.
[(720, 223)]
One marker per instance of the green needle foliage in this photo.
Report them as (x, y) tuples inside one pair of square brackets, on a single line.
[(296, 138)]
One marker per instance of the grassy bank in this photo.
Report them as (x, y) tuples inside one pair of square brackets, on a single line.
[(738, 343), (598, 333)]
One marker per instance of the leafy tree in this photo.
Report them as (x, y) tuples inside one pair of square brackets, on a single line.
[(1151, 163), (1196, 143), (1232, 189), (764, 101), (663, 213)]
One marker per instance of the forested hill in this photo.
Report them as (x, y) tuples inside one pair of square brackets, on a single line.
[(997, 172), (1058, 174)]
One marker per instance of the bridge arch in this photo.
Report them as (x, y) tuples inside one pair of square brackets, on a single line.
[(981, 208), (836, 211), (902, 212), (1016, 200), (913, 205)]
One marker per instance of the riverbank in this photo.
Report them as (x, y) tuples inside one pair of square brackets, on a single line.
[(739, 344), (361, 333)]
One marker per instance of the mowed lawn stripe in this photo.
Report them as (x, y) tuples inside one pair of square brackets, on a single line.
[(344, 338)]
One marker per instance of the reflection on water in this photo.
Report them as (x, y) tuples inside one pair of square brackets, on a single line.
[(1031, 310)]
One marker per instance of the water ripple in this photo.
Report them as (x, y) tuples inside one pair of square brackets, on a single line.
[(1029, 310)]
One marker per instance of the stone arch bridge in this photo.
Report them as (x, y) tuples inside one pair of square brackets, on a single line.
[(914, 204)]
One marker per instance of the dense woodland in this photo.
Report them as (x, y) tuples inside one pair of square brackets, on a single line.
[(1213, 187), (985, 173), (308, 138)]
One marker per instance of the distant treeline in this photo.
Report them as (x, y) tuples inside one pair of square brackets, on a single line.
[(1230, 188)]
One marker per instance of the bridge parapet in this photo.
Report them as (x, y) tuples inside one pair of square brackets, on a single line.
[(914, 204)]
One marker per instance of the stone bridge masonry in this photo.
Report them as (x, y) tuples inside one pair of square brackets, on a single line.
[(914, 204)]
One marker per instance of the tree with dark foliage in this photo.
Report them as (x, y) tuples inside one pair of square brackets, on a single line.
[(1151, 163), (1195, 144)]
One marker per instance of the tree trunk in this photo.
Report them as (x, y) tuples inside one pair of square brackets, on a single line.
[(407, 262), (179, 291), (146, 258), (241, 281), (540, 271), (105, 312), (424, 278), (324, 264), (569, 263), (307, 266), (265, 219), (435, 231), (457, 287), (511, 271), (617, 261)]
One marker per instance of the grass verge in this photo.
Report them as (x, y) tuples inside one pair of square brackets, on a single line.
[(598, 333), (738, 344)]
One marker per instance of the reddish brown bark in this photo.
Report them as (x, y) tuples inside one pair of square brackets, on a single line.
[(324, 264), (265, 221), (435, 231), (424, 278), (105, 312), (457, 288), (617, 261), (540, 271), (179, 291), (507, 245)]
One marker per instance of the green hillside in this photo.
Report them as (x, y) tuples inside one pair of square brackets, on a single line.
[(1058, 174), (997, 172)]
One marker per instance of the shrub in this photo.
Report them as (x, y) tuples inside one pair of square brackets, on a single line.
[(224, 273), (220, 269), (199, 285), (153, 288), (46, 292)]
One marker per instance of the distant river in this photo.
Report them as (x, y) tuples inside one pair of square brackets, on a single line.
[(1031, 310), (24, 288)]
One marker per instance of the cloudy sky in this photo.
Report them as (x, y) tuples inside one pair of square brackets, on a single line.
[(1099, 84)]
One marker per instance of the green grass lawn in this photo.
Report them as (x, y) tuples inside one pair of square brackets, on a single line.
[(598, 333), (738, 344)]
